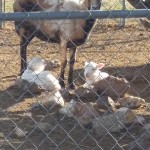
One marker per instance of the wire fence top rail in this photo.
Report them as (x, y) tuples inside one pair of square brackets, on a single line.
[(94, 14)]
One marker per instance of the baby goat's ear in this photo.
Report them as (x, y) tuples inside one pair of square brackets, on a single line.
[(100, 65)]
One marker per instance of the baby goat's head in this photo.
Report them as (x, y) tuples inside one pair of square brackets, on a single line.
[(37, 64), (91, 69)]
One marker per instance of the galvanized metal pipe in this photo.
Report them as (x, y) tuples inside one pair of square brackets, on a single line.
[(96, 14)]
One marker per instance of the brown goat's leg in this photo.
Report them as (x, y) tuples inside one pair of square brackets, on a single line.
[(25, 40), (63, 59), (72, 53)]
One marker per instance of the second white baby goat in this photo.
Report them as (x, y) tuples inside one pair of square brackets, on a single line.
[(92, 72)]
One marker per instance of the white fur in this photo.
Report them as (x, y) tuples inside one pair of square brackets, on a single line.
[(35, 73), (19, 132), (55, 98), (51, 2), (36, 64), (92, 73)]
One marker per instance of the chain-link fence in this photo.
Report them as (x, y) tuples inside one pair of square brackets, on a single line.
[(109, 108)]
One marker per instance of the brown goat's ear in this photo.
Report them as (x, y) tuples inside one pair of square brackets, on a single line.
[(100, 65)]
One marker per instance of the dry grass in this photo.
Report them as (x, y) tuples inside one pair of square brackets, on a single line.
[(8, 6)]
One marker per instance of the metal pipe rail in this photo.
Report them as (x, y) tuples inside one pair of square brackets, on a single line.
[(95, 14)]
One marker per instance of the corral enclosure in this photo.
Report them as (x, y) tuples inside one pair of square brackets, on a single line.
[(125, 51)]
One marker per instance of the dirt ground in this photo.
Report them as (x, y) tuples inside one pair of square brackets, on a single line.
[(126, 54)]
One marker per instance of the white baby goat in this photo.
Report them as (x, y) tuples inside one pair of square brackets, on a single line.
[(92, 73), (35, 73)]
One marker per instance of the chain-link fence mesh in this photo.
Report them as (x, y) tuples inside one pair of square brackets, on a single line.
[(109, 107)]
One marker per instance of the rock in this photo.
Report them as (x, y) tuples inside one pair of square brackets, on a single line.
[(49, 101), (68, 108), (112, 86), (142, 141), (83, 112), (85, 93), (20, 132), (105, 102), (51, 65), (145, 132), (139, 120), (53, 98), (138, 145), (131, 102), (146, 128), (65, 93), (44, 126), (28, 87), (113, 122), (145, 23)]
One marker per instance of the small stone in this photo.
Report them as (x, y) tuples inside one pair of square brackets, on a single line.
[(136, 145), (146, 127), (139, 120), (68, 108), (131, 102), (113, 122), (85, 112), (44, 126), (20, 132)]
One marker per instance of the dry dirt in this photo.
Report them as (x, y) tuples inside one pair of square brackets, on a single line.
[(126, 54)]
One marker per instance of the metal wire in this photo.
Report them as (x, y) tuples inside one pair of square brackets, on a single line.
[(29, 121)]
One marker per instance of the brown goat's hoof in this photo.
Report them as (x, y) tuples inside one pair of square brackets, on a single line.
[(62, 84), (72, 86)]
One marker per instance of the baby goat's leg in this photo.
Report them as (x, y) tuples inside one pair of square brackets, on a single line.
[(63, 59), (25, 40), (72, 53)]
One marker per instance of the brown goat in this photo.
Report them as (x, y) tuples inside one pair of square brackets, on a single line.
[(67, 33)]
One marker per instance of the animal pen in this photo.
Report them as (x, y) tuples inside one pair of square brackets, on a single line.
[(112, 113)]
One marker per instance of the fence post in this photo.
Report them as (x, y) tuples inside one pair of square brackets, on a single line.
[(122, 20), (1, 10)]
